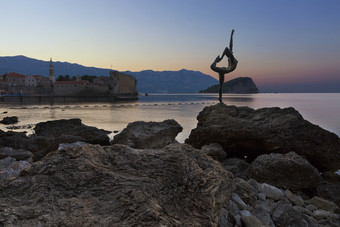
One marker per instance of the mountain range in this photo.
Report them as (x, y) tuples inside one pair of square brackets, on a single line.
[(148, 81)]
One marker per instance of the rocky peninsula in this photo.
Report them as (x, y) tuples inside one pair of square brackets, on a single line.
[(239, 167), (240, 85)]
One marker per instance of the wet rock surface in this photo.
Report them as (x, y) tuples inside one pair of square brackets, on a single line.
[(151, 135), (117, 185), (243, 131)]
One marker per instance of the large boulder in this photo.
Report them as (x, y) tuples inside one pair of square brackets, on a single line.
[(142, 135), (118, 186), (9, 120), (72, 127), (285, 171), (243, 131)]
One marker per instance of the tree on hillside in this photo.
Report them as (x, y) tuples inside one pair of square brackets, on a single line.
[(89, 78)]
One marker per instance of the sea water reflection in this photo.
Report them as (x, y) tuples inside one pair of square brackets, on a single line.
[(321, 109)]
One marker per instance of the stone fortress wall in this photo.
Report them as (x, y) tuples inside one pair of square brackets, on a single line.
[(123, 84)]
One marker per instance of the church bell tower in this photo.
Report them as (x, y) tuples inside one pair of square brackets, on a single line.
[(51, 72)]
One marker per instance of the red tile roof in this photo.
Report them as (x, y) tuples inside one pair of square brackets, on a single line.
[(13, 74)]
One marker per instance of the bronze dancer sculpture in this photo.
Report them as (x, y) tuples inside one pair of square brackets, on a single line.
[(232, 63)]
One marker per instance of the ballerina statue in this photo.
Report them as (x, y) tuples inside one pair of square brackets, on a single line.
[(232, 63)]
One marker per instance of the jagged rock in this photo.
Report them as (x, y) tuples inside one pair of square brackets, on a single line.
[(117, 186), (245, 191), (255, 185), (262, 210), (323, 214), (70, 145), (328, 222), (72, 127), (285, 215), (271, 191), (10, 168), (262, 196), (144, 135), (225, 219), (15, 127), (236, 166), (295, 199), (234, 216), (284, 170), (245, 213), (215, 151), (239, 202), (18, 154), (9, 120), (311, 207), (323, 204), (250, 221), (263, 215), (303, 210), (243, 131)]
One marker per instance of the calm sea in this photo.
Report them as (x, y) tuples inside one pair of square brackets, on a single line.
[(322, 109)]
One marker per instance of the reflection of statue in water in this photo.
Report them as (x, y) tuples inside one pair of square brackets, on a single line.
[(232, 63)]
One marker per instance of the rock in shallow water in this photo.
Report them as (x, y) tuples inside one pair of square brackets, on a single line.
[(118, 186), (148, 135), (9, 120), (72, 127), (243, 131)]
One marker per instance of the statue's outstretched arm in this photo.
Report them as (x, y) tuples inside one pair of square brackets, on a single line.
[(231, 41)]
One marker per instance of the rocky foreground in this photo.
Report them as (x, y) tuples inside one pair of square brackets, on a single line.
[(239, 167)]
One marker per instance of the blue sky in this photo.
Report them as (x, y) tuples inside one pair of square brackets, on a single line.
[(277, 43)]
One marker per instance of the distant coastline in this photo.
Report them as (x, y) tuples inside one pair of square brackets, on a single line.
[(16, 86)]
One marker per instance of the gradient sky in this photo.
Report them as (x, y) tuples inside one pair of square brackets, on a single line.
[(277, 43)]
